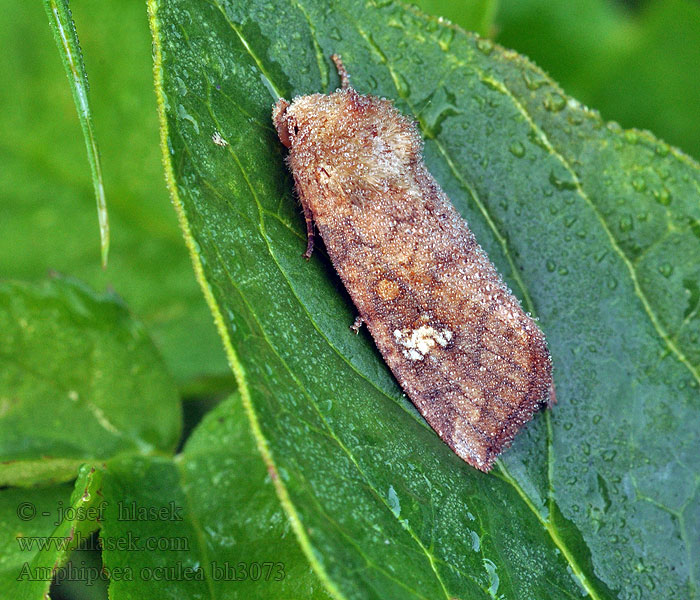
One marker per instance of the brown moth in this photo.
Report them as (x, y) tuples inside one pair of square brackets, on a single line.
[(457, 340)]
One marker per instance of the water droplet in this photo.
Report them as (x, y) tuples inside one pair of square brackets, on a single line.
[(596, 419), (476, 542), (564, 180), (445, 38), (612, 283), (393, 501), (666, 269), (484, 45), (493, 576), (626, 223), (662, 149), (434, 128), (517, 149), (402, 86), (639, 184), (554, 102), (563, 271), (663, 196), (551, 266), (608, 455), (181, 87), (432, 25), (534, 81), (537, 138), (692, 291), (568, 425), (586, 448)]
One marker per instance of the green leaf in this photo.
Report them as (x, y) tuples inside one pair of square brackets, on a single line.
[(221, 532), (38, 529), (63, 27), (80, 380), (47, 187), (595, 229)]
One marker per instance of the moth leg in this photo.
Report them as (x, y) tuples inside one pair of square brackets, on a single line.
[(342, 71), (357, 324), (310, 235)]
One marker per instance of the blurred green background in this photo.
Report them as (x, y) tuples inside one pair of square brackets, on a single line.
[(49, 218), (638, 62)]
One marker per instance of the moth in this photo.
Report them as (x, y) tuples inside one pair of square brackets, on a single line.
[(456, 339)]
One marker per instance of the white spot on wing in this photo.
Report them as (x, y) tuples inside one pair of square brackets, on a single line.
[(418, 342)]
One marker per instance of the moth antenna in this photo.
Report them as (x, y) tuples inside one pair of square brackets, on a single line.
[(342, 71)]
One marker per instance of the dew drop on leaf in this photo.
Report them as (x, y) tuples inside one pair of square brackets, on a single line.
[(626, 223), (554, 102), (639, 184), (666, 269), (662, 196), (445, 38), (517, 149), (485, 45)]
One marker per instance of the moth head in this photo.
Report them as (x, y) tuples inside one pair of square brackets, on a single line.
[(305, 113), (279, 118), (361, 137)]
